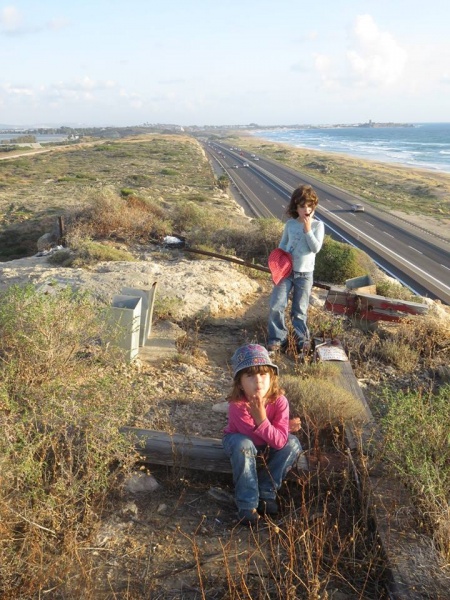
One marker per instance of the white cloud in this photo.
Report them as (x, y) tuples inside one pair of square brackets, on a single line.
[(86, 84), (10, 18), (12, 23), (16, 90), (324, 67), (57, 24), (378, 58)]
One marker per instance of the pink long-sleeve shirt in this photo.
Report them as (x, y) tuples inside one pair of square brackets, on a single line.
[(273, 431)]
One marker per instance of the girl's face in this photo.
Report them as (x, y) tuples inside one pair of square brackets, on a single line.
[(255, 385), (305, 211)]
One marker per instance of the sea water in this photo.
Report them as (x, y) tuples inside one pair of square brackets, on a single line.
[(40, 137), (424, 145)]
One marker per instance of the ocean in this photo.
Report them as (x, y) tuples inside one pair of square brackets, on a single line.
[(425, 145), (40, 137)]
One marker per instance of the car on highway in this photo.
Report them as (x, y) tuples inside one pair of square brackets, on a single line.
[(245, 165), (357, 208)]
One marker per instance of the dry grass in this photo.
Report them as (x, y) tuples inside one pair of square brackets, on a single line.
[(60, 456)]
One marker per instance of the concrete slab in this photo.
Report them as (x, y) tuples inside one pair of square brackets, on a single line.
[(161, 344)]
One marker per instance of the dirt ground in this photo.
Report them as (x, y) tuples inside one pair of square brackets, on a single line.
[(182, 539)]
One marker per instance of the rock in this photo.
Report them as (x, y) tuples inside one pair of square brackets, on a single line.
[(221, 407), (193, 288), (46, 241), (141, 482)]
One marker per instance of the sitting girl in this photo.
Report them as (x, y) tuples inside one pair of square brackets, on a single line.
[(258, 424)]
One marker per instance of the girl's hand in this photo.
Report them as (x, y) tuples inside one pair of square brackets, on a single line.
[(305, 217), (295, 425), (257, 409)]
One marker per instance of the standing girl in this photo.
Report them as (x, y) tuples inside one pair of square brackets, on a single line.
[(302, 238), (258, 425)]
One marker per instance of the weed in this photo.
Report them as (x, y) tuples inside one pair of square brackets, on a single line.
[(417, 448), (61, 454)]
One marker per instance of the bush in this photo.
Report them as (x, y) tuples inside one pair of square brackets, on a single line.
[(253, 240), (62, 402), (125, 192), (325, 403), (398, 354), (336, 262), (417, 448), (86, 252), (392, 289), (108, 215)]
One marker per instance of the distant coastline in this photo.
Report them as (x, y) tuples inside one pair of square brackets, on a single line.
[(422, 145), (368, 125)]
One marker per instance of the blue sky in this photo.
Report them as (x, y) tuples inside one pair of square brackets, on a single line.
[(205, 62)]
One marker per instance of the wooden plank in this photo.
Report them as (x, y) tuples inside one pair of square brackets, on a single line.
[(370, 307), (416, 569), (346, 380)]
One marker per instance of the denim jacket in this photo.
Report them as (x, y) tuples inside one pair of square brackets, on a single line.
[(303, 246)]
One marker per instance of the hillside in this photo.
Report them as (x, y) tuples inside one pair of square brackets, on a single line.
[(171, 533)]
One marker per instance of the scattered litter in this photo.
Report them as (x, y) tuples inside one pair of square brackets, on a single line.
[(222, 496), (50, 251), (174, 242), (331, 353), (221, 407)]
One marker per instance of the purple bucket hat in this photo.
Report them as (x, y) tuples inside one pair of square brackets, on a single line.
[(251, 355)]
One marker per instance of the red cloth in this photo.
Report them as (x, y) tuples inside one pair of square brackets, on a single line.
[(280, 264)]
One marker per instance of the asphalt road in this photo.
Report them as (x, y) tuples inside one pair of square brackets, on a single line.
[(414, 256)]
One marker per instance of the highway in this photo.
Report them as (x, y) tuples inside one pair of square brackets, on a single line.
[(415, 257)]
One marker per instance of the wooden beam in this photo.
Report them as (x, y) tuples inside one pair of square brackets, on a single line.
[(191, 452)]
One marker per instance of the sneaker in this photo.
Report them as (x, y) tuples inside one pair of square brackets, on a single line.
[(248, 516), (268, 507), (273, 350), (273, 347), (303, 347)]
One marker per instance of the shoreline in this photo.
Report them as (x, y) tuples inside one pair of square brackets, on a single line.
[(382, 157), (419, 196)]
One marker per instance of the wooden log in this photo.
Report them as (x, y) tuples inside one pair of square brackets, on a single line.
[(191, 452)]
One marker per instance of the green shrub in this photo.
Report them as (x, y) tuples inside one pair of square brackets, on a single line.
[(86, 252), (417, 447), (187, 216), (336, 262), (223, 182), (124, 192), (392, 289), (398, 354)]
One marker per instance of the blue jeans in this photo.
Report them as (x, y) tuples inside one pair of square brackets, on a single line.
[(277, 330), (251, 484)]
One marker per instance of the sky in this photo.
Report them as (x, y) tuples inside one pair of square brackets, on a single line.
[(205, 62)]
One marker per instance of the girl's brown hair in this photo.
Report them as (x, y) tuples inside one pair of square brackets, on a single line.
[(302, 195), (237, 393)]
